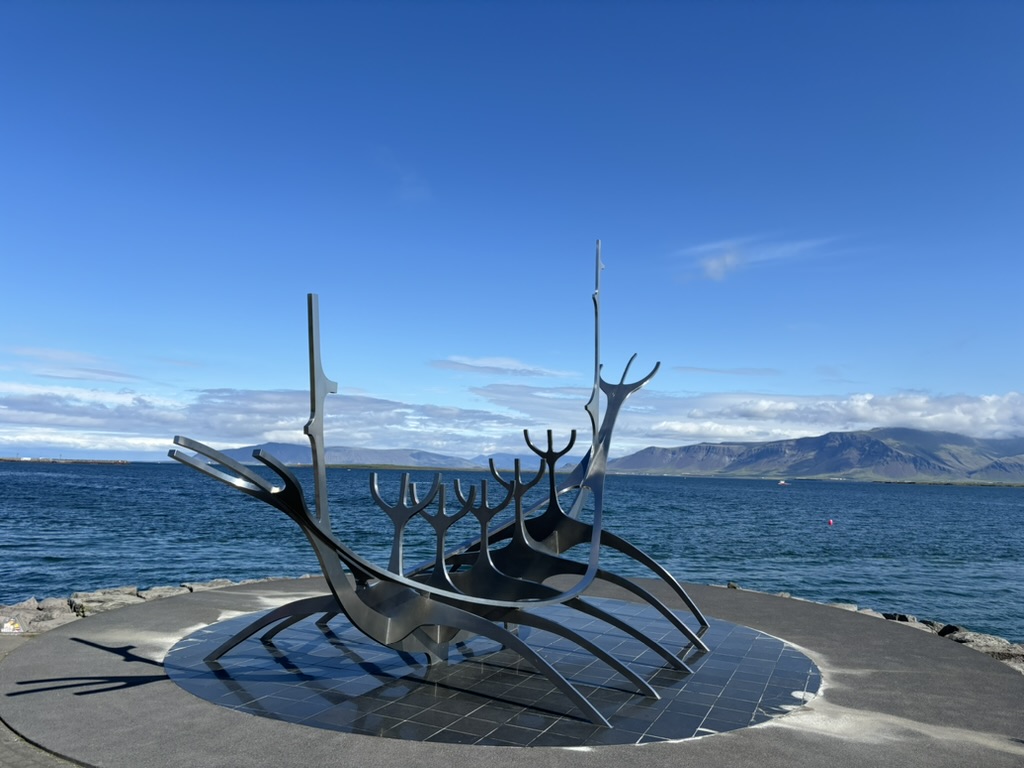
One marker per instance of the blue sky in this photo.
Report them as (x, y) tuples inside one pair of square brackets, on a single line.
[(811, 214)]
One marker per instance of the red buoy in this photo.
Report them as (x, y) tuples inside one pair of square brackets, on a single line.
[(830, 521)]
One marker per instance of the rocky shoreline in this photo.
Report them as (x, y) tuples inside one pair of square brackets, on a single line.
[(31, 617)]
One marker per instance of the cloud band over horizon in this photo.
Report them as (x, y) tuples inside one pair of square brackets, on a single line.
[(45, 421)]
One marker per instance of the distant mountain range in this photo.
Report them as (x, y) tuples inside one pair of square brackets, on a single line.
[(887, 454), (893, 454)]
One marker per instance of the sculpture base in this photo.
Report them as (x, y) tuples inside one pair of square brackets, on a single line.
[(335, 678)]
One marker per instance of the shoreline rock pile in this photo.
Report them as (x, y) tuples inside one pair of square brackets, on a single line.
[(999, 648), (31, 617)]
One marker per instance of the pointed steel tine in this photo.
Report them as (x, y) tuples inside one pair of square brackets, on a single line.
[(433, 489), (625, 371), (214, 455), (375, 492), (530, 445), (556, 455), (467, 502), (649, 376), (417, 505), (494, 473), (458, 491), (526, 486), (607, 387)]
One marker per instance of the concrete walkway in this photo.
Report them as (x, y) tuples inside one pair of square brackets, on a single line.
[(94, 692)]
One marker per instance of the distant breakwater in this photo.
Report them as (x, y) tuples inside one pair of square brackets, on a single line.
[(34, 616), (44, 460)]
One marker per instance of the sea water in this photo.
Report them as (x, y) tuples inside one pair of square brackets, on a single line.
[(949, 553)]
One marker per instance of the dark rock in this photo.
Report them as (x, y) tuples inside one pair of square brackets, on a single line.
[(900, 617), (54, 608), (979, 641), (199, 586), (87, 603)]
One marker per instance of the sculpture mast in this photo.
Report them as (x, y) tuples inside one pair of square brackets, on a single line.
[(594, 404), (319, 387)]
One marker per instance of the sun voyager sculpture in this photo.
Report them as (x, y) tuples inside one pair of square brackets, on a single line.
[(490, 585)]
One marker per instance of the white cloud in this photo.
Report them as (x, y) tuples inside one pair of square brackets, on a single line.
[(54, 400), (718, 260), (56, 441), (743, 417), (718, 266)]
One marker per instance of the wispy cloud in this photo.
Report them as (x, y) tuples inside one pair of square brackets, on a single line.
[(84, 374), (68, 365), (553, 406), (717, 260), (503, 366)]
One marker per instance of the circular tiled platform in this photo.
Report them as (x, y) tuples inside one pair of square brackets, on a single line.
[(96, 692), (339, 680)]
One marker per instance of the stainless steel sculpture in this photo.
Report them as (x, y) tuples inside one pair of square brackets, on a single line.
[(487, 586)]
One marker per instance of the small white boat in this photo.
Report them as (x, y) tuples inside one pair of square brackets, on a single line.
[(783, 482)]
